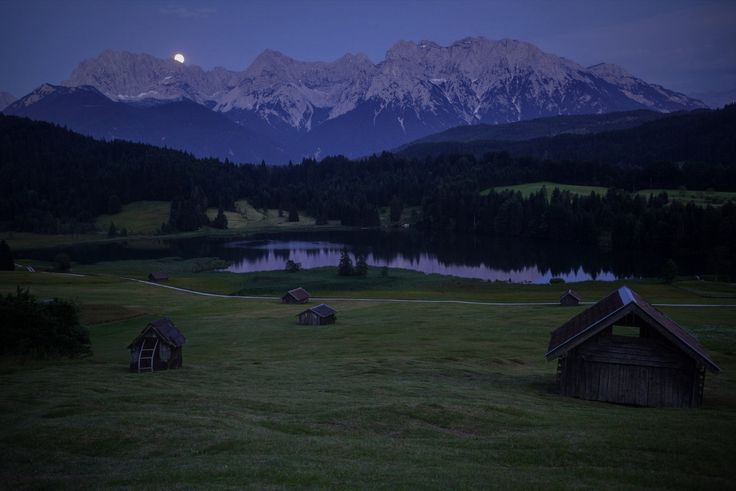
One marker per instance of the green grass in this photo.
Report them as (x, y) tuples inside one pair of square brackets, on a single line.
[(701, 198), (392, 396), (532, 187), (139, 217)]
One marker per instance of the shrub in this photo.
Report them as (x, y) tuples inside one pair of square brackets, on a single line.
[(41, 329), (293, 267), (556, 280)]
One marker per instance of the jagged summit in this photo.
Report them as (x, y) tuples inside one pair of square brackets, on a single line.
[(354, 106)]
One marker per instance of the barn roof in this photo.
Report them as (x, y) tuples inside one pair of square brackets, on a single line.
[(611, 309), (322, 310), (158, 275), (166, 330), (299, 294), (571, 293)]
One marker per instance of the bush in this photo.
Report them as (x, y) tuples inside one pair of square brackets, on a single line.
[(556, 280), (293, 267), (62, 262), (41, 329)]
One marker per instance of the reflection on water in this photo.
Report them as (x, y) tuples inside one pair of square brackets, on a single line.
[(469, 257)]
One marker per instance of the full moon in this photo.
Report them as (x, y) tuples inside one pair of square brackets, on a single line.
[(179, 57)]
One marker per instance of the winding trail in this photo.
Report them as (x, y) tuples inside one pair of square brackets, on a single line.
[(399, 300)]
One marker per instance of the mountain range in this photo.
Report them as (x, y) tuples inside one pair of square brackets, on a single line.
[(281, 109)]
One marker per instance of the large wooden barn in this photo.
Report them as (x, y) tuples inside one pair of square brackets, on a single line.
[(317, 316), (625, 351), (157, 347), (297, 295)]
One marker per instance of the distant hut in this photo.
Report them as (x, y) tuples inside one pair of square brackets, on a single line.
[(297, 295), (317, 316), (570, 298), (158, 276), (157, 347), (625, 351)]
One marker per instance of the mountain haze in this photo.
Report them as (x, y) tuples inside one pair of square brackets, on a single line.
[(355, 107)]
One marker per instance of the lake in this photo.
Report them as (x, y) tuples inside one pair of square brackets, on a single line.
[(519, 261)]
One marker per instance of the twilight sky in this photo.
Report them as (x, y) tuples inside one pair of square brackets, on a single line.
[(685, 45)]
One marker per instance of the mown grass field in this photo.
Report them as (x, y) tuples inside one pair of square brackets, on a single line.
[(392, 396), (701, 198)]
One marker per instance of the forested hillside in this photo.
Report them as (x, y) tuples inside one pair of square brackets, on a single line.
[(54, 181), (706, 136)]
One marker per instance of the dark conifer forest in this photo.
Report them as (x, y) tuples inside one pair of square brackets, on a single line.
[(56, 181)]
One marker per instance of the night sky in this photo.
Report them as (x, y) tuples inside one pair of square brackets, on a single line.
[(689, 46)]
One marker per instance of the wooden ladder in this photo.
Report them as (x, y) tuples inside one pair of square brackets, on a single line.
[(145, 357)]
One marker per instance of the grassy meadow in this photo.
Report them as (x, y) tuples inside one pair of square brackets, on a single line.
[(395, 395), (700, 198)]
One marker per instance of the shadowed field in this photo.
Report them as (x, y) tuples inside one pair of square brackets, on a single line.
[(393, 395)]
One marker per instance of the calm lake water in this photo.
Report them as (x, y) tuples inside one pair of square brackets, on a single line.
[(467, 257)]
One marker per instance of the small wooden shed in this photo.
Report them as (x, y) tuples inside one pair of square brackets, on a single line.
[(625, 351), (317, 316), (297, 295), (157, 347), (570, 298), (158, 276)]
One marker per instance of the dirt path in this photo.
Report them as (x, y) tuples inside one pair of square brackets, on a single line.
[(399, 300)]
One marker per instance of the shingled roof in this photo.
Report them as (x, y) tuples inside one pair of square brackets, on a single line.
[(299, 294), (166, 330), (321, 310), (572, 293), (612, 309)]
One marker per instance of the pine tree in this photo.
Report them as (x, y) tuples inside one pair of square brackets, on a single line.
[(112, 231), (7, 263), (345, 268), (361, 266), (293, 214)]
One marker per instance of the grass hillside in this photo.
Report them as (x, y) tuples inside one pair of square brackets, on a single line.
[(140, 217), (146, 217), (532, 187), (701, 198), (393, 395)]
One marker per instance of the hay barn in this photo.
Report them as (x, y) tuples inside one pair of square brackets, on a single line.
[(625, 351), (157, 347), (158, 276), (297, 295), (570, 298), (317, 316)]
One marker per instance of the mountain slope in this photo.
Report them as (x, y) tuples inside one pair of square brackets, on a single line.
[(6, 99), (355, 107), (701, 135), (180, 124), (542, 127)]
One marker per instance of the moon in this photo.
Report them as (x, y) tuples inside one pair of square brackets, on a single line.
[(179, 57)]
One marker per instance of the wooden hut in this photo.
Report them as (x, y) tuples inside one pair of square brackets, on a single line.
[(158, 276), (297, 295), (570, 298), (157, 347), (625, 351), (317, 316)]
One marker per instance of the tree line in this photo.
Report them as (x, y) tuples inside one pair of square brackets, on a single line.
[(56, 181)]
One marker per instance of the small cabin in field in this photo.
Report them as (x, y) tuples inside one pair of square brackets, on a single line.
[(625, 351), (157, 347), (297, 295), (158, 276), (570, 298), (317, 316)]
